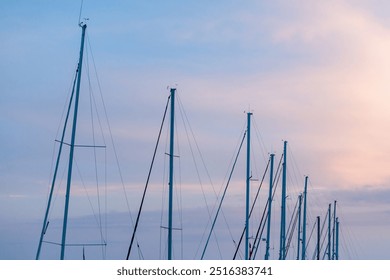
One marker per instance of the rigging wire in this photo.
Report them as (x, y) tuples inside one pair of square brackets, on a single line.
[(277, 179), (66, 108), (267, 160), (223, 196), (321, 242), (254, 202), (222, 212), (178, 190), (89, 198), (110, 133), (251, 210), (349, 237), (140, 255), (54, 175), (311, 234), (186, 120), (259, 232), (295, 167), (313, 206), (163, 203), (91, 101), (293, 173), (324, 238), (228, 173), (292, 226), (292, 218), (262, 224), (260, 140), (345, 248), (147, 182), (111, 138), (185, 124)]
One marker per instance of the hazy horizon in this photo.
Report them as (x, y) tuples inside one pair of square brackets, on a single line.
[(315, 75)]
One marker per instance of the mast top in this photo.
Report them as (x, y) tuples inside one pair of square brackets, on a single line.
[(83, 24)]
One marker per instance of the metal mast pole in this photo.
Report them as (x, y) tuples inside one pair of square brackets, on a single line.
[(329, 229), (318, 237), (304, 220), (299, 225), (282, 251), (337, 238), (72, 144), (171, 155), (248, 177), (334, 231), (271, 172)]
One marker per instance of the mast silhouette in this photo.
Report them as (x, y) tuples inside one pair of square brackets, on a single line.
[(329, 233), (248, 177), (282, 251), (271, 172), (171, 155), (71, 153), (299, 225), (304, 220), (318, 237)]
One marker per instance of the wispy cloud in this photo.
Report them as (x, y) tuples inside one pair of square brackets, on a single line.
[(315, 74)]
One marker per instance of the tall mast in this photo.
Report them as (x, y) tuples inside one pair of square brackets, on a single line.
[(248, 177), (271, 172), (299, 225), (282, 250), (72, 144), (171, 156), (329, 233), (304, 220), (337, 238), (318, 237), (334, 231)]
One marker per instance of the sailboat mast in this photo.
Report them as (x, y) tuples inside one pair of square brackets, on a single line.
[(334, 231), (318, 237), (282, 250), (329, 228), (248, 177), (304, 220), (337, 238), (72, 144), (299, 225), (272, 156), (171, 155)]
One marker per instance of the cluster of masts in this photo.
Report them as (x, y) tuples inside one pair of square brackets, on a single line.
[(250, 250), (332, 251)]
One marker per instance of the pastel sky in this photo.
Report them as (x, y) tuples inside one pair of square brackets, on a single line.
[(313, 73)]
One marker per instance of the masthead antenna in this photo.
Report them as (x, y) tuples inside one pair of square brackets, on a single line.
[(81, 9)]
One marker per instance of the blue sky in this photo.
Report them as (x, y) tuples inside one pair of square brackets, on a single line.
[(313, 74)]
